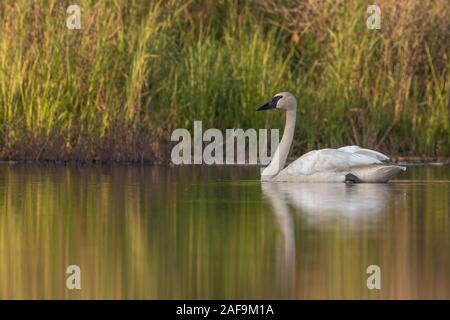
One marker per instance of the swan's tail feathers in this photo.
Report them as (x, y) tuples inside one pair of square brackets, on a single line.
[(377, 173)]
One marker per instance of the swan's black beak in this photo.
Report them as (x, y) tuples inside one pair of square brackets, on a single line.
[(269, 105)]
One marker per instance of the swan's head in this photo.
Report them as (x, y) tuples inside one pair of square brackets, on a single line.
[(282, 100)]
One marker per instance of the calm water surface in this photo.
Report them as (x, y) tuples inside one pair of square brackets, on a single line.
[(218, 232)]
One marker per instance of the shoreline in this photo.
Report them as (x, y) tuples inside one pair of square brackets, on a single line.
[(405, 161)]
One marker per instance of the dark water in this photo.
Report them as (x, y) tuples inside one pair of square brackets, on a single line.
[(217, 232)]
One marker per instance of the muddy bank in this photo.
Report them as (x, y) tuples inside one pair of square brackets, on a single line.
[(161, 156)]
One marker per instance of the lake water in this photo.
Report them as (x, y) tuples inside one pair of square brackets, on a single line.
[(217, 232)]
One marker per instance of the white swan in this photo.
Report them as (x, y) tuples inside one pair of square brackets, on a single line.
[(346, 164)]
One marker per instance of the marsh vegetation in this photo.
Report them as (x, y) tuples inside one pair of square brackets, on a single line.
[(136, 70)]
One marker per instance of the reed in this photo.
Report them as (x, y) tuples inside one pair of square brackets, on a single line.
[(115, 89)]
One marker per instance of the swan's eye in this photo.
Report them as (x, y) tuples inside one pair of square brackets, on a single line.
[(274, 101)]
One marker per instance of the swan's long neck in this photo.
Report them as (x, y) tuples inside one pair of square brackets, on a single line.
[(282, 152)]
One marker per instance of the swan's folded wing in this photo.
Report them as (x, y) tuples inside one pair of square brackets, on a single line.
[(366, 152), (328, 160)]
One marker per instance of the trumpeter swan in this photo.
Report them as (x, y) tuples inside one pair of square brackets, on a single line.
[(346, 164)]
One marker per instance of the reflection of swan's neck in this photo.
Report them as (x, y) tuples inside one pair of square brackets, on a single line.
[(286, 225), (281, 154)]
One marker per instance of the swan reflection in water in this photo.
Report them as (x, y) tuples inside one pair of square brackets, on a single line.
[(324, 206)]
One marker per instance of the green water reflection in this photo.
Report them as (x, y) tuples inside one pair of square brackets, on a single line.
[(217, 232)]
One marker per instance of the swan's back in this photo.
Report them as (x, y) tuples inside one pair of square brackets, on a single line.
[(335, 165)]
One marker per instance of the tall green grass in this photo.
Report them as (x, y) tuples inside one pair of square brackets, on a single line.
[(115, 89)]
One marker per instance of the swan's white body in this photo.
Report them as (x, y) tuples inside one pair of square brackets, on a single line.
[(325, 165)]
